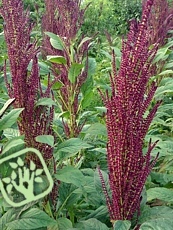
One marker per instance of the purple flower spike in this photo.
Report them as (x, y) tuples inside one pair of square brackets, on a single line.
[(127, 121)]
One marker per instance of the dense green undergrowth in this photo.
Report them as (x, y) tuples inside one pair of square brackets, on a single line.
[(80, 146)]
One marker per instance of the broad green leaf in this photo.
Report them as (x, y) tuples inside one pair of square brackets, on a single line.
[(97, 129), (11, 133), (62, 224), (31, 219), (46, 102), (92, 224), (160, 193), (72, 145), (100, 213), (44, 68), (56, 59), (46, 139), (6, 105), (6, 218), (55, 41), (92, 65), (9, 119), (74, 71), (158, 224), (12, 146), (154, 213), (122, 225), (165, 72), (71, 175), (162, 178)]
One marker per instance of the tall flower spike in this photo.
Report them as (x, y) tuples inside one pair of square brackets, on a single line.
[(127, 122), (24, 86), (64, 18), (160, 21)]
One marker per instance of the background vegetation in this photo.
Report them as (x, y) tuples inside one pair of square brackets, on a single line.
[(80, 202)]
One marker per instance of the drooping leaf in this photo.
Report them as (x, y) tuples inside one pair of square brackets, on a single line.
[(7, 218), (46, 139), (71, 175), (31, 219), (9, 119), (55, 41), (122, 225), (158, 224), (72, 145), (92, 224), (46, 102), (56, 59), (62, 224), (6, 105), (74, 71), (160, 193)]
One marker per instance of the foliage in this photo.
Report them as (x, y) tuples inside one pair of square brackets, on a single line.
[(77, 200)]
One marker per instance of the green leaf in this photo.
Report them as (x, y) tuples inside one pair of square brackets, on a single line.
[(13, 145), (55, 41), (71, 147), (62, 224), (46, 139), (97, 129), (71, 175), (158, 224), (46, 102), (122, 225), (31, 219), (92, 224), (160, 193), (57, 59), (74, 71), (165, 72), (155, 213), (100, 213), (6, 218), (6, 105), (8, 120), (92, 65)]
